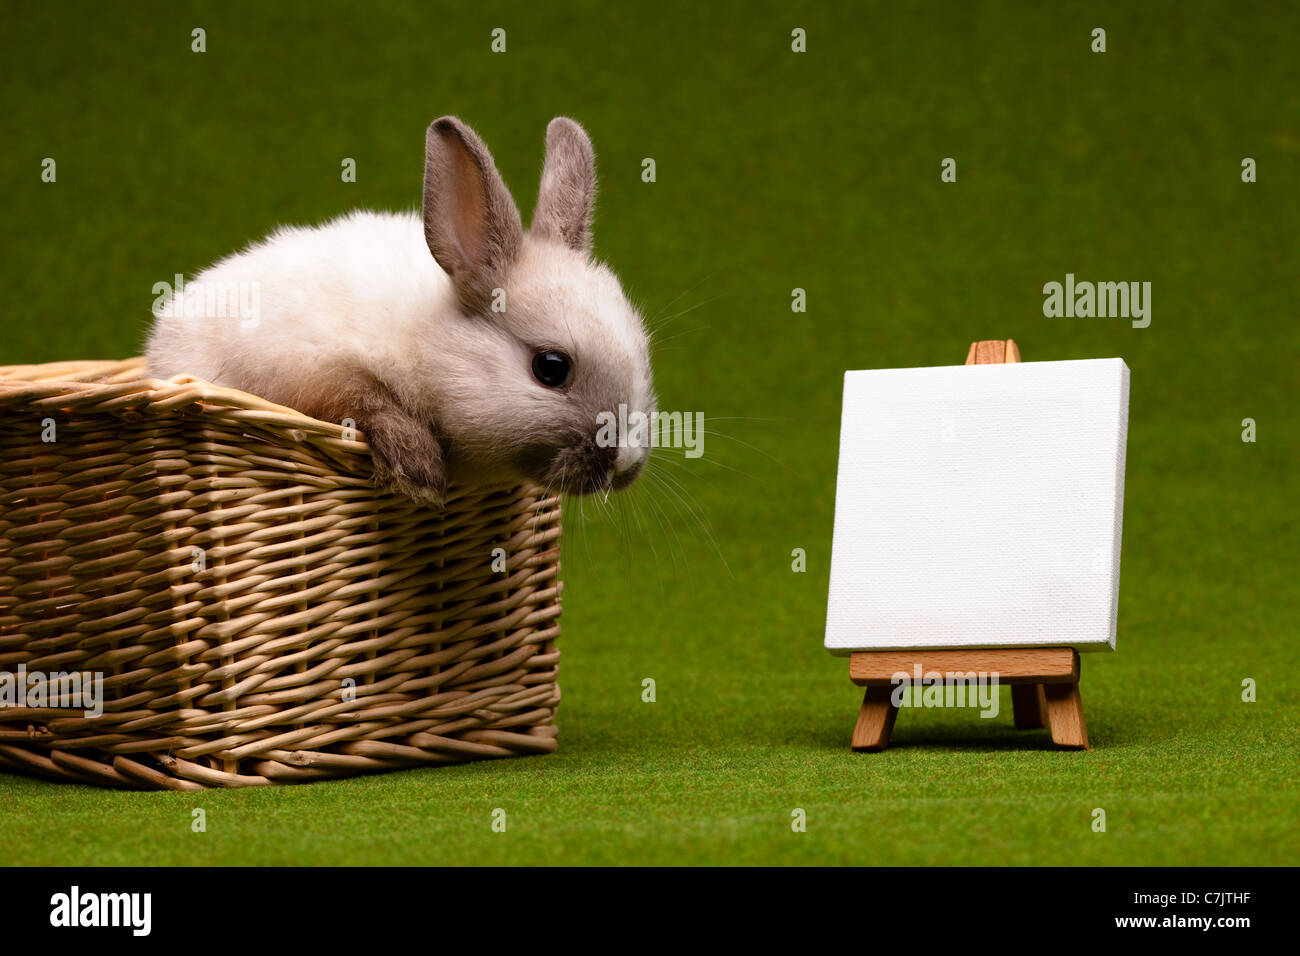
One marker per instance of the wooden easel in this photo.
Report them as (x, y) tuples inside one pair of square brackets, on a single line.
[(1044, 680)]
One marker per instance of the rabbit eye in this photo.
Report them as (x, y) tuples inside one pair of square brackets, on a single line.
[(552, 368)]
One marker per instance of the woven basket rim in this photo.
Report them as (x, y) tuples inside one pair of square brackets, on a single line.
[(122, 386), (112, 378)]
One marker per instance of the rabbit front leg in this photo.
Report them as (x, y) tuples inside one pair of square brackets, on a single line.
[(408, 456), (407, 453)]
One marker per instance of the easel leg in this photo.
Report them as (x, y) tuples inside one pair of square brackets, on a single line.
[(875, 720), (1029, 705), (1065, 711)]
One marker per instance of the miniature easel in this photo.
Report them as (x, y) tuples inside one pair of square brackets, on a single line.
[(1044, 680)]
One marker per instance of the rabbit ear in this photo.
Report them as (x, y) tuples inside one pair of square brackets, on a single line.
[(568, 190), (470, 222)]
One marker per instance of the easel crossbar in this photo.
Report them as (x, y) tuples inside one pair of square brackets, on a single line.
[(1036, 665)]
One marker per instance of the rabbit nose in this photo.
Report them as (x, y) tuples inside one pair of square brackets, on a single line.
[(628, 458), (627, 466)]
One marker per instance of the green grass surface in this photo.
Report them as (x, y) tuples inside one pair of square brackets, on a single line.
[(775, 171)]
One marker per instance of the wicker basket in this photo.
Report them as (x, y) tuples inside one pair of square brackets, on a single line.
[(258, 612)]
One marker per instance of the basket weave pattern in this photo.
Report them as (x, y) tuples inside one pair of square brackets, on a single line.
[(259, 612)]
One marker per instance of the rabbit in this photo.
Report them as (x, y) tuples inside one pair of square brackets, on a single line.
[(465, 348)]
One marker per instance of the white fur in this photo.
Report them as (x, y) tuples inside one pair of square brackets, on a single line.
[(364, 291), (362, 286)]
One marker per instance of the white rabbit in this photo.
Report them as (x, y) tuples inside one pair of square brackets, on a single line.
[(489, 360)]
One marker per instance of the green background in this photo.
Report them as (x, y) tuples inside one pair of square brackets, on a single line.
[(776, 170)]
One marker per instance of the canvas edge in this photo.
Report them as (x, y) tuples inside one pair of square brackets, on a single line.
[(1121, 463), (835, 511)]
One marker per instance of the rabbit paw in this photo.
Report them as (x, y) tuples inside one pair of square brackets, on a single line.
[(408, 459)]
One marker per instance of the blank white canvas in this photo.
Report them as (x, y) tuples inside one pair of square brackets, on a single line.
[(979, 506)]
